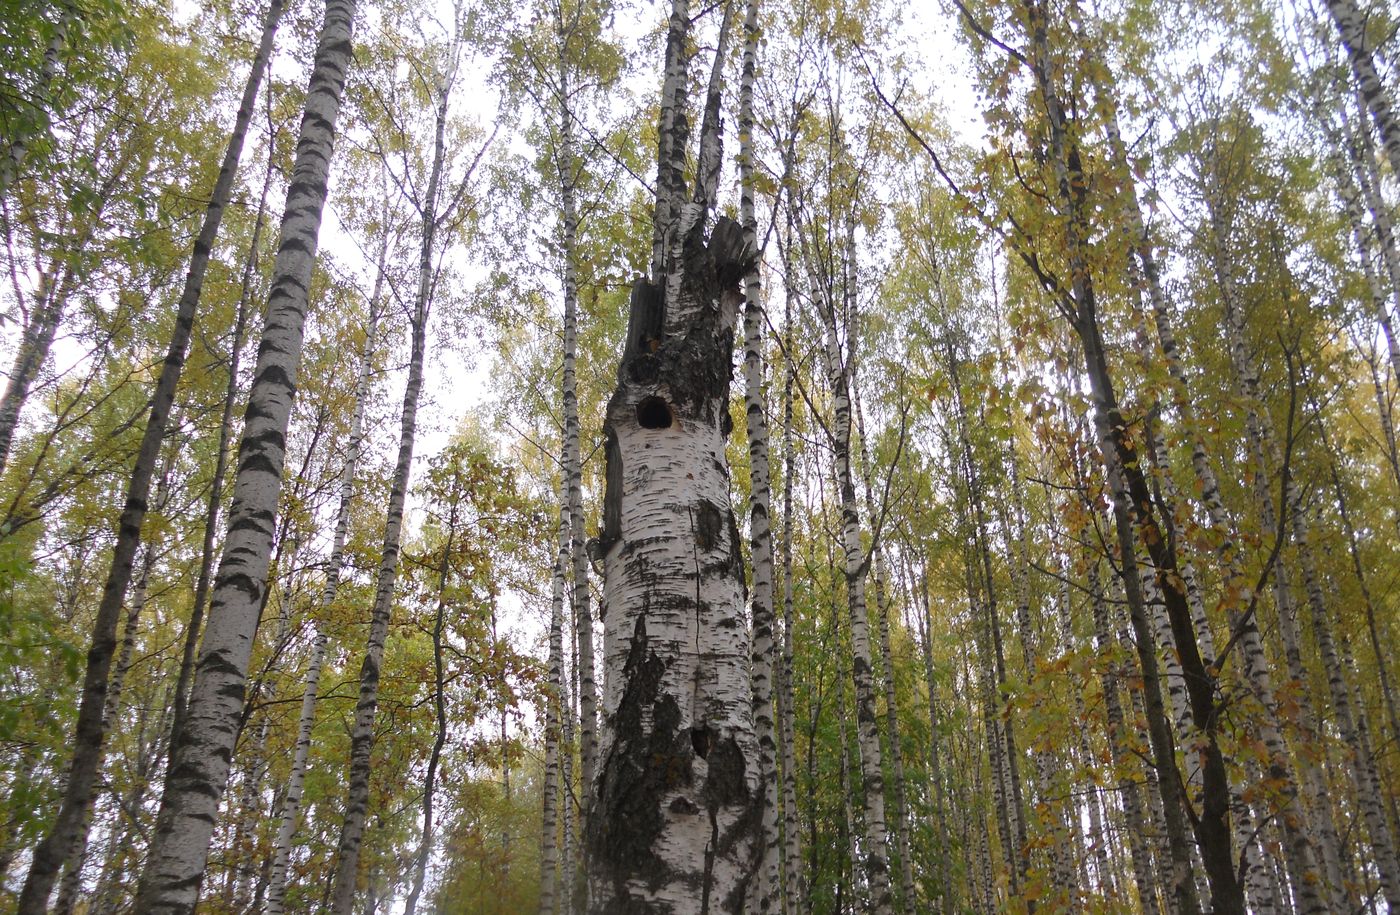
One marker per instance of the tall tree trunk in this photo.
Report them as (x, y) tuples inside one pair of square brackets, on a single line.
[(1005, 757), (70, 885), (171, 881), (1048, 809), (1359, 569), (945, 899), (38, 335), (17, 149), (89, 733), (36, 339), (1120, 755), (290, 809), (1351, 26), (425, 847), (675, 822), (876, 848), (767, 895), (573, 459), (1299, 846), (794, 880), (882, 605), (1134, 522), (362, 734), (1269, 452), (216, 486), (555, 710), (1366, 173), (570, 877)]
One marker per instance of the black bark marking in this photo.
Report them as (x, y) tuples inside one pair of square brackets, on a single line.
[(640, 768), (707, 525), (736, 559), (645, 319), (612, 496)]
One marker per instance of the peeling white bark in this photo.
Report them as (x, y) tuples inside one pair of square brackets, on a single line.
[(675, 823)]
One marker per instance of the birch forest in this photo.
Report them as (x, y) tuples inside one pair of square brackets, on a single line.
[(799, 457)]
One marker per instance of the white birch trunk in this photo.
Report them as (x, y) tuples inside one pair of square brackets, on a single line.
[(1299, 847), (1351, 26), (1270, 453), (13, 157), (554, 715), (335, 563), (794, 881), (675, 820), (675, 824), (88, 751), (876, 863), (425, 842), (215, 504), (367, 706), (767, 898), (573, 461), (1120, 754)]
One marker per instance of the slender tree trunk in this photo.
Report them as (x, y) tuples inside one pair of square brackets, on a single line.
[(1351, 26), (945, 897), (1299, 843), (39, 333), (850, 832), (794, 880), (767, 896), (221, 455), (425, 848), (1105, 878), (89, 732), (569, 876), (362, 735), (290, 809), (555, 710), (882, 604), (573, 459), (17, 150), (1119, 753), (71, 884), (876, 848), (1269, 451), (36, 339), (1005, 757), (1049, 811), (1134, 521), (171, 881), (1359, 569), (1366, 173)]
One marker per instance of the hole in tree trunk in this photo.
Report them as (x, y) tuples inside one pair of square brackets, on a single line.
[(654, 413), (700, 741)]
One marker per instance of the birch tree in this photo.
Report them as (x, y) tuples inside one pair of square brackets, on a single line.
[(440, 210), (181, 845), (674, 822), (90, 732)]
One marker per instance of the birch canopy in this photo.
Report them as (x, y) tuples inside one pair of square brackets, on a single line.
[(803, 457)]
